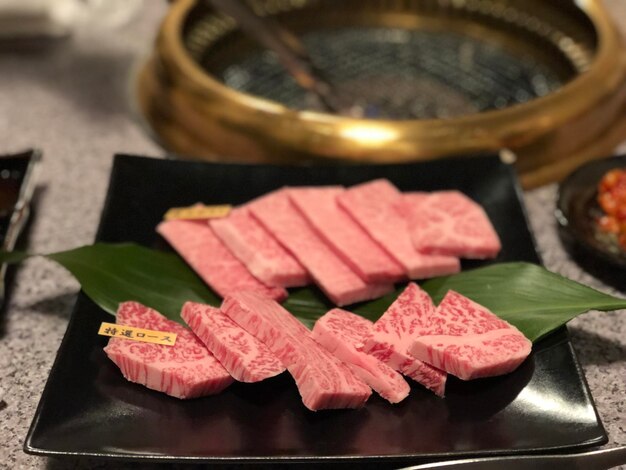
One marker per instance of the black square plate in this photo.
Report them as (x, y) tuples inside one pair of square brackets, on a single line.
[(88, 409)]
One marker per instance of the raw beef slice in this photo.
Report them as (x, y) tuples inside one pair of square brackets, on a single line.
[(241, 354), (450, 223), (258, 250), (394, 332), (373, 206), (185, 370), (342, 285), (349, 241), (342, 333), (322, 380), (409, 201), (196, 243), (469, 341)]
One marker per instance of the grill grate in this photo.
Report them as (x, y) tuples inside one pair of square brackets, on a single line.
[(401, 74)]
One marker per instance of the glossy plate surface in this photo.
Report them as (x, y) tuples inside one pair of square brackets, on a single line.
[(578, 211), (89, 409)]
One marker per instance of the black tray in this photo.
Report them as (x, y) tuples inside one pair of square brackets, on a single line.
[(88, 409)]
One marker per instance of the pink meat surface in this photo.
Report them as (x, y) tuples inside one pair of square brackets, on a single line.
[(373, 206), (450, 223), (342, 285), (185, 370), (342, 333), (409, 201), (212, 261), (394, 332), (259, 250), (355, 247), (469, 341), (322, 380), (242, 355)]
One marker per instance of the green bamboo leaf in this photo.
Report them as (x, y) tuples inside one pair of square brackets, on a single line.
[(114, 273), (528, 296)]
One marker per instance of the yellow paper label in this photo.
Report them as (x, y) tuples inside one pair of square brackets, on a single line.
[(198, 212), (137, 334)]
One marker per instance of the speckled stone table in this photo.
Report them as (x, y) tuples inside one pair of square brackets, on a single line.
[(73, 102)]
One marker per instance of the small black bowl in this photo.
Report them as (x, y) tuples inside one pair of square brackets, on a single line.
[(577, 211)]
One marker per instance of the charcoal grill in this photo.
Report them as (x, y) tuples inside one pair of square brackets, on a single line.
[(425, 78)]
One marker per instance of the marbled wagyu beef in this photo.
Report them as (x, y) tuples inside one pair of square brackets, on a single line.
[(242, 355), (196, 243), (323, 381), (394, 332), (469, 341), (373, 206), (342, 285), (450, 223), (185, 370), (258, 250), (349, 241), (342, 333)]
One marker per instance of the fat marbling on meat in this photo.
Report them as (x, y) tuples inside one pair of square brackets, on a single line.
[(342, 285), (185, 370), (323, 381), (349, 241), (469, 341), (255, 247), (196, 243), (244, 357), (373, 205), (342, 333), (394, 332)]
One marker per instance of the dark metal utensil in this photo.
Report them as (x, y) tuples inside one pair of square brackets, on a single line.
[(594, 460), (290, 51)]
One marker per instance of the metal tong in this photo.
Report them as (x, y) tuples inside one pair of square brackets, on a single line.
[(291, 52), (593, 460)]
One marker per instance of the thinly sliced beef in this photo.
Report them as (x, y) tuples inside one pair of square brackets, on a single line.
[(450, 223), (349, 241), (342, 285), (373, 206), (394, 332), (322, 380), (342, 333), (214, 263), (258, 250), (185, 370), (469, 341), (244, 357)]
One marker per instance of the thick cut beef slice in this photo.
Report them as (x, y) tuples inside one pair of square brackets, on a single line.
[(244, 357), (349, 241), (255, 247), (196, 243), (323, 381), (394, 332), (450, 223), (373, 206), (185, 370), (469, 341), (342, 285), (342, 333)]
